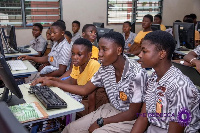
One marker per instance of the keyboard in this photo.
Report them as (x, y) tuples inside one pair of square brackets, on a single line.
[(23, 50), (47, 97), (16, 65)]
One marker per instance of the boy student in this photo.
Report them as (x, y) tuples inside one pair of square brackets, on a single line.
[(146, 25), (38, 43), (60, 53), (124, 81), (89, 32), (171, 101), (68, 36), (128, 35), (75, 29), (158, 20)]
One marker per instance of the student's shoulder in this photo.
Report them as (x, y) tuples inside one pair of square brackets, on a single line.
[(93, 63), (135, 66)]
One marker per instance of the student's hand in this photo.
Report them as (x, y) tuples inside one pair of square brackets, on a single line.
[(93, 127), (48, 82), (23, 57), (38, 80)]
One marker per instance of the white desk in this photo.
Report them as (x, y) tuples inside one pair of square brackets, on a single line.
[(72, 105), (33, 52), (31, 69)]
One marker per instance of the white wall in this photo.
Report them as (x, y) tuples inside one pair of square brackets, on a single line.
[(89, 11)]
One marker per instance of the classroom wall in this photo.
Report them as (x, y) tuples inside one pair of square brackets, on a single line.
[(89, 11)]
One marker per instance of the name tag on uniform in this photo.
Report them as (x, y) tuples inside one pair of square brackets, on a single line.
[(122, 96), (51, 59)]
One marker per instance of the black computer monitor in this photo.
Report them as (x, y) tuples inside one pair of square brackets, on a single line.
[(1, 46), (8, 80), (102, 31), (133, 27), (98, 24), (8, 122), (184, 34), (198, 26), (155, 27), (4, 38), (12, 38)]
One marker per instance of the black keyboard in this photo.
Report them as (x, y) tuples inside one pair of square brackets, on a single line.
[(23, 50), (47, 97)]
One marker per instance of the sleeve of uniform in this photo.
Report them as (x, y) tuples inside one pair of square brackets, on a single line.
[(197, 50), (94, 67), (97, 78), (41, 45), (95, 52), (65, 55)]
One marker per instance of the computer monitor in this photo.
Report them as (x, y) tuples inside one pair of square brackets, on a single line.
[(8, 80), (133, 27), (4, 38), (8, 122), (1, 46), (12, 38), (155, 27), (184, 34), (198, 26), (98, 24), (102, 31)]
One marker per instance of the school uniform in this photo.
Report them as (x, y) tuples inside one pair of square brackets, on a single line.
[(162, 27), (197, 51), (130, 40), (128, 90), (167, 99), (76, 36), (38, 43)]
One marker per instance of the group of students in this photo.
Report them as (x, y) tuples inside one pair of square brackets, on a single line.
[(167, 101)]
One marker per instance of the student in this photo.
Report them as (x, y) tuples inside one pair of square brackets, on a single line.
[(146, 25), (170, 98), (124, 81), (49, 41), (158, 20), (60, 53), (38, 43), (68, 36), (128, 35), (194, 17), (75, 29), (89, 32)]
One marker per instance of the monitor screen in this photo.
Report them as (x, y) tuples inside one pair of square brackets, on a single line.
[(98, 24), (8, 122), (102, 31), (12, 38), (184, 34), (8, 79), (155, 27)]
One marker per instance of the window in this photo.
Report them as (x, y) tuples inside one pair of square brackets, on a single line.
[(25, 13), (132, 10)]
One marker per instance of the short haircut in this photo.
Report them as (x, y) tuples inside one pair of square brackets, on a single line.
[(189, 20), (115, 37), (193, 16), (86, 26), (76, 22), (60, 20), (127, 22), (38, 25), (85, 42), (177, 21), (158, 16), (59, 24), (68, 33), (163, 41), (149, 16)]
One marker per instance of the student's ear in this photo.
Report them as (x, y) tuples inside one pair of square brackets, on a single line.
[(119, 50), (63, 32), (163, 54), (83, 34)]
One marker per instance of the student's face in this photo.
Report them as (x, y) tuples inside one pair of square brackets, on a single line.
[(68, 38), (109, 51), (36, 31), (90, 33), (126, 28), (75, 27), (48, 34), (149, 55), (146, 23), (80, 55), (157, 20), (56, 33)]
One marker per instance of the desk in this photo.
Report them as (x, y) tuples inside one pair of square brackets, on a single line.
[(72, 105), (182, 52), (31, 69), (33, 52)]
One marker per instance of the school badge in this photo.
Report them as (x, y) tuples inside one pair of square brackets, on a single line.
[(51, 59), (122, 96)]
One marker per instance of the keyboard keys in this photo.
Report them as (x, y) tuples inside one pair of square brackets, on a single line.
[(16, 65)]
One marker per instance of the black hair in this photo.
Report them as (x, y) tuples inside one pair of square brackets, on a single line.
[(158, 16), (149, 16), (127, 22), (59, 20), (193, 16), (76, 22), (189, 20), (163, 41), (38, 25), (59, 24), (68, 33), (86, 26), (177, 21), (186, 17), (85, 42), (116, 37)]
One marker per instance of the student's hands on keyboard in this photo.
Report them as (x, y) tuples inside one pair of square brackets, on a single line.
[(40, 80), (23, 57)]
